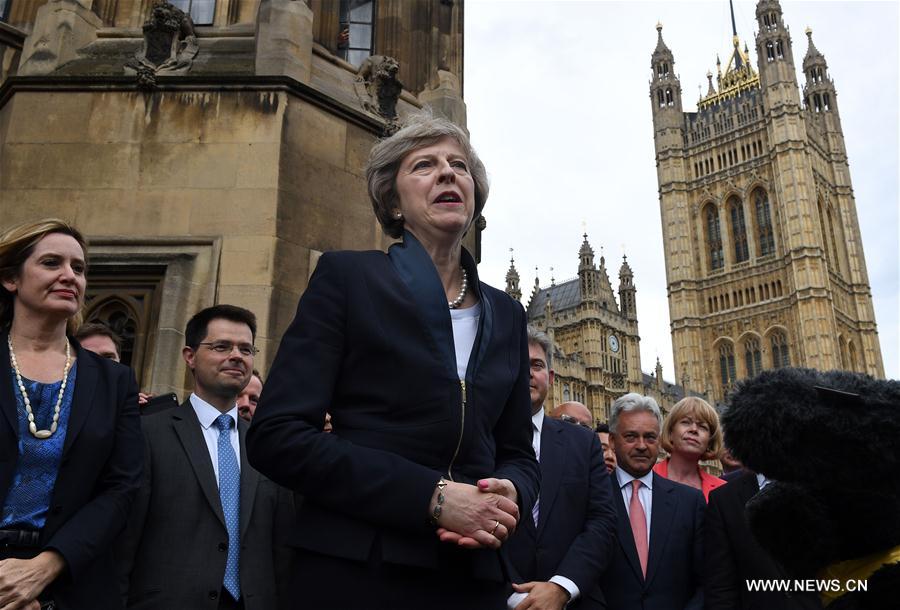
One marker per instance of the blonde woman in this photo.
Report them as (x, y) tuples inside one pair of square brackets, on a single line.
[(691, 432), (70, 438)]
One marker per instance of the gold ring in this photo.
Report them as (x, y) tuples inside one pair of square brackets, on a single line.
[(496, 525)]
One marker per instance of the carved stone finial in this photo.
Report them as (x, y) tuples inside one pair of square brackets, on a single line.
[(170, 45), (378, 87)]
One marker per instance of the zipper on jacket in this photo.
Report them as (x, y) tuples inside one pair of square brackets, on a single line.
[(462, 427)]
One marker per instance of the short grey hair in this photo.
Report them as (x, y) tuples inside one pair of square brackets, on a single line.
[(420, 130), (633, 402), (539, 338)]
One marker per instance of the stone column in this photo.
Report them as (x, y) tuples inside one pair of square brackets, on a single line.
[(61, 28), (446, 99), (284, 39)]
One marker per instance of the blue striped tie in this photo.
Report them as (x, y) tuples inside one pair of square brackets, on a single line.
[(230, 494)]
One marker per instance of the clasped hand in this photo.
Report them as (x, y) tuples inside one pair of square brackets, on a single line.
[(478, 516), (22, 580)]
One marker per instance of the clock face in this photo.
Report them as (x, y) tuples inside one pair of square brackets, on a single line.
[(614, 343)]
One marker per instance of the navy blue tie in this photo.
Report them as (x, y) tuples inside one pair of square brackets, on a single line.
[(230, 494)]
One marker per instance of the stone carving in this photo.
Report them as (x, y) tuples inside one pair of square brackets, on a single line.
[(61, 29), (378, 87), (170, 45)]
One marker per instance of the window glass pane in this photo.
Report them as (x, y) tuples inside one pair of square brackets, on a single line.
[(360, 36), (3, 5), (361, 10), (356, 57), (203, 11)]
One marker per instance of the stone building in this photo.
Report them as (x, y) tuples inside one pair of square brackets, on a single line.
[(597, 355), (210, 149), (764, 258)]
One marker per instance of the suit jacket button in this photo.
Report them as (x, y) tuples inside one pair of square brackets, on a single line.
[(213, 595), (223, 546)]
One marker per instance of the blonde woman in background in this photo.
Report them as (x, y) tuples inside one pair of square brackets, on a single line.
[(690, 433)]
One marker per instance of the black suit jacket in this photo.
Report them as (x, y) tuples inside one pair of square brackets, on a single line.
[(577, 522), (733, 556), (175, 548), (97, 479), (372, 344), (675, 560)]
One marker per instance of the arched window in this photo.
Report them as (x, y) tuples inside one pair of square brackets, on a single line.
[(764, 236), (779, 49), (201, 11), (738, 230), (770, 51), (825, 102), (851, 355), (714, 238), (670, 101), (780, 355), (661, 97), (752, 357), (567, 394), (119, 317), (726, 365)]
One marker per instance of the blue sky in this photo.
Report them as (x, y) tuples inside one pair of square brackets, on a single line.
[(558, 108)]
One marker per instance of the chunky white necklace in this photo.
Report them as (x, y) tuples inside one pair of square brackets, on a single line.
[(463, 286), (32, 427)]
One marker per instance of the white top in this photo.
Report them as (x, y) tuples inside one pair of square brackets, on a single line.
[(645, 493), (207, 415), (465, 328)]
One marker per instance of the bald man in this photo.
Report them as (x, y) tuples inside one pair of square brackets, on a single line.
[(574, 413)]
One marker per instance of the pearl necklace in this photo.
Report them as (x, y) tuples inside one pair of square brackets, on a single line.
[(32, 427), (464, 285)]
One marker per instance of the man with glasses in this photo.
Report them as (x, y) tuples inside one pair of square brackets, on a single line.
[(206, 530), (559, 551)]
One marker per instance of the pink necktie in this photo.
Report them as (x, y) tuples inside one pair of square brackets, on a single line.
[(638, 525)]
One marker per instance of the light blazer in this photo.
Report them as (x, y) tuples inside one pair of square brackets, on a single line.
[(372, 344), (97, 479), (675, 560), (174, 551), (733, 556), (577, 524)]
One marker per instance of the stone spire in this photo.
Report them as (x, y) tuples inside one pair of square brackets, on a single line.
[(627, 300), (512, 279)]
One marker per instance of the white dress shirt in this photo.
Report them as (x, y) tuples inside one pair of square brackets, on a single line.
[(537, 425), (465, 329), (207, 415), (645, 494)]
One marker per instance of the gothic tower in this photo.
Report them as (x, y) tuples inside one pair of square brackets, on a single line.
[(764, 259), (512, 280)]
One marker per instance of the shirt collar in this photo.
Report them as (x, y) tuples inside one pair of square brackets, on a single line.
[(207, 413), (762, 480), (538, 419), (625, 479)]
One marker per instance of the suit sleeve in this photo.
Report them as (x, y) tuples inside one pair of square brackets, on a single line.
[(696, 601), (591, 551), (285, 441), (281, 551), (127, 545), (721, 586), (512, 433), (92, 530)]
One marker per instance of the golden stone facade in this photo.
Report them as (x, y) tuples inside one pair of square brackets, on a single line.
[(214, 168), (764, 259)]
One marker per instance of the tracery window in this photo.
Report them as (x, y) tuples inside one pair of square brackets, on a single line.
[(357, 21), (752, 357), (714, 238), (738, 231), (764, 235), (726, 365), (780, 354)]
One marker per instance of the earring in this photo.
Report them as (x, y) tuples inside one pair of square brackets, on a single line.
[(398, 215)]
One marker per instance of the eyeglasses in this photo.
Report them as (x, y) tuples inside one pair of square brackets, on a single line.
[(226, 347), (572, 420)]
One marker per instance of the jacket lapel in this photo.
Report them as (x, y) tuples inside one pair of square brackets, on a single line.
[(553, 456), (249, 479), (661, 515), (187, 428), (486, 324), (625, 535), (83, 398), (7, 395)]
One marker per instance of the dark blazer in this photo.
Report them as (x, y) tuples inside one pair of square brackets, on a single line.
[(675, 561), (372, 344), (577, 522), (733, 556), (174, 551), (98, 476)]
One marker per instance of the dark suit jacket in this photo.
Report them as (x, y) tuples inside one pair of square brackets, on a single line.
[(675, 561), (98, 476), (372, 344), (733, 555), (174, 551), (577, 522)]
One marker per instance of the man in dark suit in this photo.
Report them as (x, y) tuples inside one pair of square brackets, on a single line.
[(733, 556), (659, 555), (559, 552), (207, 529)]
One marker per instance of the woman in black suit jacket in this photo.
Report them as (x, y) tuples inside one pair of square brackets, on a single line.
[(70, 441), (425, 373)]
